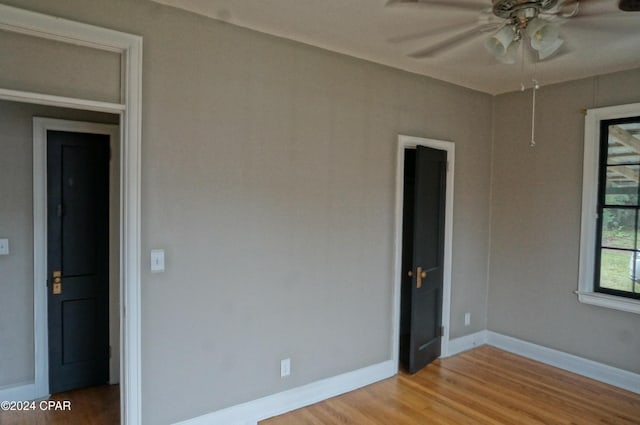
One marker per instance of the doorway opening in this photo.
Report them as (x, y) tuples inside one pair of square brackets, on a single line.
[(24, 175), (423, 247), (422, 257), (81, 206), (128, 108)]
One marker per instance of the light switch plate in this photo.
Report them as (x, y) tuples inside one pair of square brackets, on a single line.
[(4, 246), (157, 260), (285, 367)]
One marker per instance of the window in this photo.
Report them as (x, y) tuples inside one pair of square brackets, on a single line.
[(610, 234), (617, 253)]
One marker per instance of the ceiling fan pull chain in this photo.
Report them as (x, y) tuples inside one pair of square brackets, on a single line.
[(522, 47), (535, 87)]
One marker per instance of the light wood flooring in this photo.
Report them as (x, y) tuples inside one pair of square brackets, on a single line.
[(482, 386), (89, 406)]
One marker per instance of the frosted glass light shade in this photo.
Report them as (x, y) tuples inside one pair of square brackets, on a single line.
[(544, 37), (499, 42), (550, 49), (511, 55)]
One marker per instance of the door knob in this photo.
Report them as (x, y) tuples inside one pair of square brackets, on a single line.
[(420, 275), (57, 283)]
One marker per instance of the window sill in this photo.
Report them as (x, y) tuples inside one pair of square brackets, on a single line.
[(610, 301)]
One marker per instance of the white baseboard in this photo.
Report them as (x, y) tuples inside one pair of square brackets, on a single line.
[(22, 392), (610, 375), (253, 411), (465, 343)]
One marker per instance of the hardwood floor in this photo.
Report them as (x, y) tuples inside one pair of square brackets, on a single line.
[(482, 386), (89, 406)]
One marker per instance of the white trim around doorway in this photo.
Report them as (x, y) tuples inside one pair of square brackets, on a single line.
[(129, 46), (405, 142)]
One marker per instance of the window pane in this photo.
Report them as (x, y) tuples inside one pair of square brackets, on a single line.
[(616, 269), (618, 228), (623, 144), (622, 185)]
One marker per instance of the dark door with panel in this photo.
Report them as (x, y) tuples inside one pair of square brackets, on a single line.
[(422, 257), (78, 259)]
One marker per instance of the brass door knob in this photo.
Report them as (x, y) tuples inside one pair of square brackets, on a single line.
[(57, 283)]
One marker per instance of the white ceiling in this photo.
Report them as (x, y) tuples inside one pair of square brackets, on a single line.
[(367, 29)]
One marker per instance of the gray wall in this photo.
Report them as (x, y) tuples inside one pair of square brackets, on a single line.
[(16, 224), (535, 224), (268, 178), (52, 67)]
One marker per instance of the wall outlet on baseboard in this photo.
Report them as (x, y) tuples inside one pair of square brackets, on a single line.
[(285, 367), (467, 319)]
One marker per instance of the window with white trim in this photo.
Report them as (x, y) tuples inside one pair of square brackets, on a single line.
[(617, 247), (610, 234)]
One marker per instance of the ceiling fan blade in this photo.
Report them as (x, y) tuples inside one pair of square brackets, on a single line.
[(430, 32), (589, 26), (590, 16), (444, 4), (585, 10), (590, 8), (571, 3), (448, 43), (571, 9), (605, 15), (629, 5)]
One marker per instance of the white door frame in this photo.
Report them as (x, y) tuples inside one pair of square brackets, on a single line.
[(411, 142), (130, 48)]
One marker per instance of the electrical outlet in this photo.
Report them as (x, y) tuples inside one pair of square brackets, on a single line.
[(467, 319), (285, 367)]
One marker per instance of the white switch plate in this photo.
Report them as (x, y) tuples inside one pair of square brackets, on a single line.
[(4, 246), (157, 260), (285, 367), (467, 319)]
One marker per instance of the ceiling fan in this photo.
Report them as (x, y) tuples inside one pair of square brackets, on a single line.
[(510, 23)]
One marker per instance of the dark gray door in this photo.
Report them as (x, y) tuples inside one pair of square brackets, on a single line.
[(423, 256), (78, 259)]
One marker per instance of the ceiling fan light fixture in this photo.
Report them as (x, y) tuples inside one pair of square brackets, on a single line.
[(499, 42), (542, 33), (544, 37), (550, 49), (511, 55), (507, 9), (568, 9)]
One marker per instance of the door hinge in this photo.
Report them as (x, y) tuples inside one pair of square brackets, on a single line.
[(447, 166), (441, 330), (59, 210), (110, 351)]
